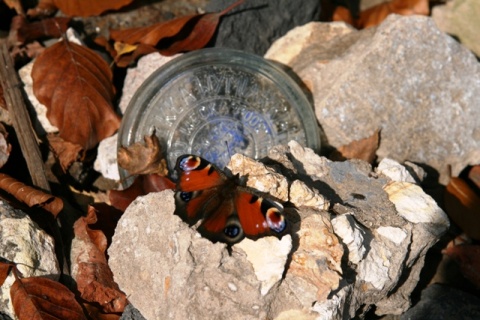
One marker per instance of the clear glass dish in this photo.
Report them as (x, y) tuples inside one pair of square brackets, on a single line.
[(217, 102)]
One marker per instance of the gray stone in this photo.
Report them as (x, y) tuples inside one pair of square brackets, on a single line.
[(24, 243), (169, 271), (406, 78), (441, 302), (255, 24), (460, 19)]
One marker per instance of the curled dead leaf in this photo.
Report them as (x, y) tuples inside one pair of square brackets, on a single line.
[(79, 8), (462, 205), (142, 158), (75, 84), (30, 196), (142, 185), (45, 28), (363, 149), (171, 37), (5, 147), (90, 268), (40, 298), (66, 152), (375, 15), (5, 268), (468, 258)]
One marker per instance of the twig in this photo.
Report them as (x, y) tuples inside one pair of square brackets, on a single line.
[(21, 120), (27, 138)]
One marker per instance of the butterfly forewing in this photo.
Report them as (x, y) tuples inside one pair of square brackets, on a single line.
[(195, 173)]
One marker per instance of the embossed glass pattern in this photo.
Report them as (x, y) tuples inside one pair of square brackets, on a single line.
[(218, 102)]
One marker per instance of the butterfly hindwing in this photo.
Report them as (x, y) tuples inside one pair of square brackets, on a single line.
[(258, 216)]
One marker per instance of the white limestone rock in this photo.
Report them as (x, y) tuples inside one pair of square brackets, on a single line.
[(24, 243), (106, 161), (352, 235)]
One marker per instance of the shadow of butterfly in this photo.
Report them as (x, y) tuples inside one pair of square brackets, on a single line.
[(229, 211)]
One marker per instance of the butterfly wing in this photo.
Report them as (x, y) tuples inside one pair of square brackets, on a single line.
[(198, 182), (258, 216), (229, 212)]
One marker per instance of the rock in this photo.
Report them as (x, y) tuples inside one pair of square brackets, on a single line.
[(352, 235), (395, 171), (370, 253), (27, 245), (443, 303), (169, 271), (106, 161), (268, 257), (405, 77), (239, 29), (460, 19)]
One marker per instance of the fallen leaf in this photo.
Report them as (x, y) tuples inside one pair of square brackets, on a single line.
[(38, 298), (5, 147), (375, 15), (90, 269), (468, 258), (5, 268), (474, 175), (31, 196), (3, 103), (462, 205), (363, 149), (143, 158), (95, 313), (16, 5), (81, 8), (107, 219), (178, 35), (66, 152), (75, 84), (44, 8), (45, 28), (142, 185)]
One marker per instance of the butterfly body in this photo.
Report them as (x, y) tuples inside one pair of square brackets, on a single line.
[(229, 211)]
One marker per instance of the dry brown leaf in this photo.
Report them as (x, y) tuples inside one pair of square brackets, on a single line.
[(80, 8), (5, 268), (75, 84), (468, 258), (93, 276), (178, 35), (142, 158), (39, 298), (474, 175), (95, 313), (375, 15), (5, 147), (16, 5), (31, 196), (45, 28), (66, 152), (44, 8), (3, 103), (363, 149), (462, 205), (143, 184)]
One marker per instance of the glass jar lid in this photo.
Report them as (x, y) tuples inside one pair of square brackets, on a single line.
[(217, 102)]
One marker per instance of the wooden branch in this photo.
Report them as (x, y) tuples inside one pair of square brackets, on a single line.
[(20, 118)]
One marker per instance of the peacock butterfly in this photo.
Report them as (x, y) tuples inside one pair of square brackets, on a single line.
[(229, 211)]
